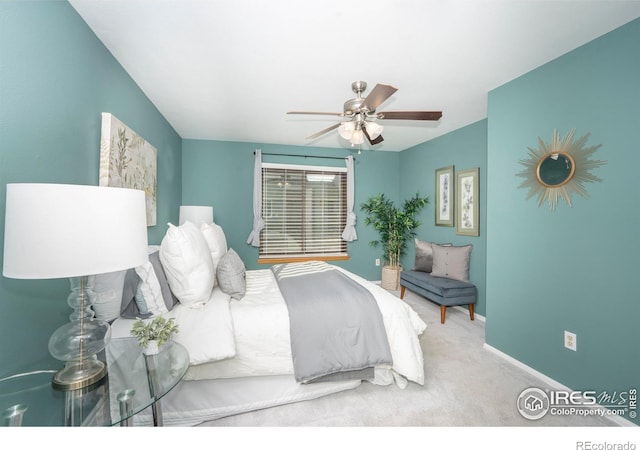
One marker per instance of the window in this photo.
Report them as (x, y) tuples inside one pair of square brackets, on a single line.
[(304, 209)]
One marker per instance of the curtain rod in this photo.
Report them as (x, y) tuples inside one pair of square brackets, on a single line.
[(305, 156)]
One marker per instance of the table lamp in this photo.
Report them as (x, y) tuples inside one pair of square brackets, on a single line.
[(74, 231), (196, 214)]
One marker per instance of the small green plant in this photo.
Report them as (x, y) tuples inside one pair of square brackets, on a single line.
[(159, 329)]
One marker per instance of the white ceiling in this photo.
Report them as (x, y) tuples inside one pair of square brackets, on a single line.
[(230, 69)]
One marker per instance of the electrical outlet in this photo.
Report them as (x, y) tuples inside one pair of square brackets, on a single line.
[(377, 262), (570, 341)]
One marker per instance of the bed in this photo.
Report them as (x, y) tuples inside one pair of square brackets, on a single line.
[(242, 340)]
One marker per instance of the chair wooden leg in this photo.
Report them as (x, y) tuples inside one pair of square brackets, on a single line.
[(402, 289), (471, 311), (443, 312)]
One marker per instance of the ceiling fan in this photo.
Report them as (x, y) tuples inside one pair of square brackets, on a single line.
[(360, 111)]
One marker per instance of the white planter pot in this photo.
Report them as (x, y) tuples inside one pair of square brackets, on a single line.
[(391, 278), (152, 348)]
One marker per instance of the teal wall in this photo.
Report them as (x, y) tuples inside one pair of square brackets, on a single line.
[(56, 78), (220, 174), (465, 148), (574, 268), (545, 272)]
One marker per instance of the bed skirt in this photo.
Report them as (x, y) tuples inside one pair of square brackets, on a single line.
[(193, 402)]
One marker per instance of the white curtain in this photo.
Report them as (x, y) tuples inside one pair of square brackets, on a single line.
[(349, 233), (258, 223)]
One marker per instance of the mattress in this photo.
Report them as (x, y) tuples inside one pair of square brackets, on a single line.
[(261, 331), (240, 352), (255, 341)]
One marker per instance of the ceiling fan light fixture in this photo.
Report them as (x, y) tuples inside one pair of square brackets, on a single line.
[(357, 111), (345, 130), (357, 137), (373, 129)]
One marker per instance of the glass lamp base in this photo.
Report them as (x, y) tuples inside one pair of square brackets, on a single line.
[(78, 375), (78, 341)]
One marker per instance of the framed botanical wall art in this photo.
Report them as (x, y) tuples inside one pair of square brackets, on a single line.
[(468, 202), (444, 196), (128, 161)]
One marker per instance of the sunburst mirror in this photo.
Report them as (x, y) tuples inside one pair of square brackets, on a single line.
[(559, 168)]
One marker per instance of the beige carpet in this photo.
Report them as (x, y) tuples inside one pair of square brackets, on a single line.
[(466, 386)]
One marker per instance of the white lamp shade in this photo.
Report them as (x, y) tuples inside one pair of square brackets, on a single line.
[(373, 129), (357, 137), (345, 130), (196, 214), (63, 230)]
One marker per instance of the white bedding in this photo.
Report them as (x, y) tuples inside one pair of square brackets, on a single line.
[(206, 332), (250, 337)]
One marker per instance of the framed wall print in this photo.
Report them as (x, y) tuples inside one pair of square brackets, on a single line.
[(128, 161), (444, 196), (468, 202)]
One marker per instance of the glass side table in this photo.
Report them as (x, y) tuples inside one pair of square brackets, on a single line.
[(134, 383)]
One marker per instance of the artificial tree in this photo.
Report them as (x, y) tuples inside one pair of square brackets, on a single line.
[(395, 226)]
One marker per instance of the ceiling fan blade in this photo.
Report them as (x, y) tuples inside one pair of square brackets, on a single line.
[(410, 115), (377, 96), (317, 113), (372, 141), (326, 130)]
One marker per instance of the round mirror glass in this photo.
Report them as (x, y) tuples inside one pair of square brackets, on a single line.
[(556, 169)]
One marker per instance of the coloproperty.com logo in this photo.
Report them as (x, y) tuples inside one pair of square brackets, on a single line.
[(534, 403)]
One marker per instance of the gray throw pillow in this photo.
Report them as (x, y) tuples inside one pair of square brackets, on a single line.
[(133, 304), (170, 300), (451, 261), (424, 256), (108, 290), (231, 274), (129, 308)]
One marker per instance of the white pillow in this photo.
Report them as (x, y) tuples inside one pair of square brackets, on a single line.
[(149, 293), (141, 303), (149, 287), (217, 241), (187, 262), (109, 289)]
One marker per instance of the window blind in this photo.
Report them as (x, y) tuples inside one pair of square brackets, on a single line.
[(304, 209)]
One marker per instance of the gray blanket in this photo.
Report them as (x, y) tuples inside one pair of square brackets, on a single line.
[(336, 328)]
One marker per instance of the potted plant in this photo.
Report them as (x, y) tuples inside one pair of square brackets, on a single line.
[(153, 334), (395, 226)]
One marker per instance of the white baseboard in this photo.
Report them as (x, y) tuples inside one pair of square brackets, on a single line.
[(480, 317), (554, 384)]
